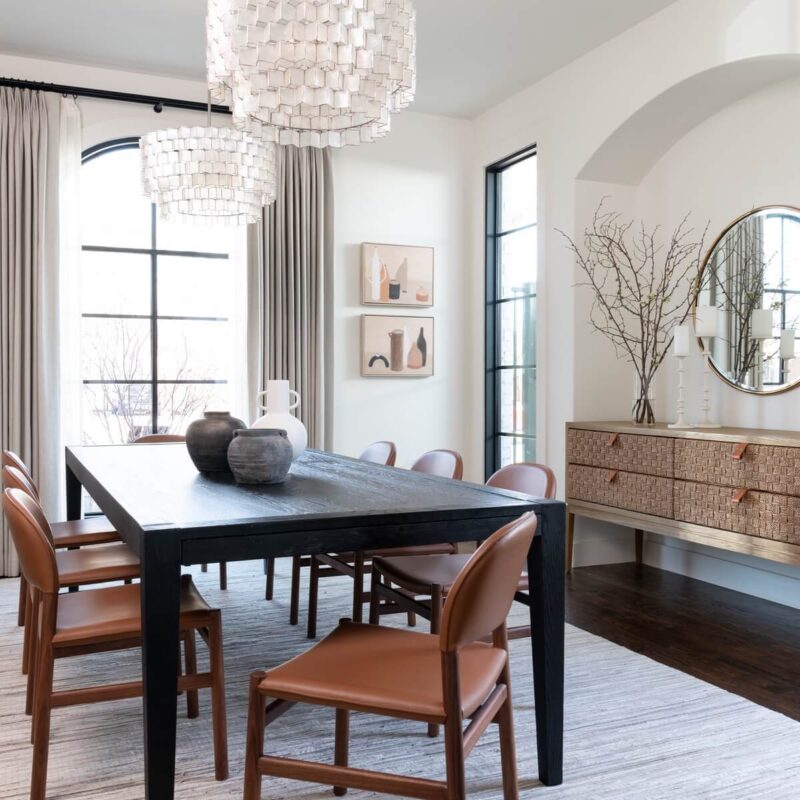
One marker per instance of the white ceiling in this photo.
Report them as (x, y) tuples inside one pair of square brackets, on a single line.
[(471, 54)]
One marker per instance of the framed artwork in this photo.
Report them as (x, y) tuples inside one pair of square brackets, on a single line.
[(396, 347), (396, 275)]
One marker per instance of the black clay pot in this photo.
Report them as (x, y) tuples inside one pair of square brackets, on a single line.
[(260, 455), (207, 440)]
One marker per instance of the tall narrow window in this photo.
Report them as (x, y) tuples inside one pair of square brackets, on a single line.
[(162, 321), (511, 311)]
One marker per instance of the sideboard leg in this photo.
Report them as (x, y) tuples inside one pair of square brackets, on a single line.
[(639, 546), (570, 539)]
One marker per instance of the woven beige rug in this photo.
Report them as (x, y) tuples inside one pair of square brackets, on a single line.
[(635, 730)]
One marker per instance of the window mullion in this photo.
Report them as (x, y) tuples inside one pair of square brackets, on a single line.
[(153, 320)]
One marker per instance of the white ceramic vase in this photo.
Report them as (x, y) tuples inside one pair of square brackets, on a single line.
[(279, 414)]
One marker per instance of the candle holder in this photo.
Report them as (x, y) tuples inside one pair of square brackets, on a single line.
[(681, 423), (706, 421)]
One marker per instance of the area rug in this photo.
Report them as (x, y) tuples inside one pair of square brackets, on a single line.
[(635, 729)]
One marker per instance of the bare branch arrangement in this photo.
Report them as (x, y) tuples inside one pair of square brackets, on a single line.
[(642, 290)]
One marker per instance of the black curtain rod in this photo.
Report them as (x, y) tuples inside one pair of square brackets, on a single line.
[(158, 103)]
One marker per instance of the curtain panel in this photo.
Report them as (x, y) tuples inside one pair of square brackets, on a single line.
[(290, 263), (33, 126)]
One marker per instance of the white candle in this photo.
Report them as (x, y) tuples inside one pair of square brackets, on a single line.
[(761, 323), (680, 342), (706, 321), (787, 343)]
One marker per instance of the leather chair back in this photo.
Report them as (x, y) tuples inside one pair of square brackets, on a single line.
[(14, 479), (36, 556), (380, 453), (444, 463), (159, 438), (10, 459), (481, 597), (535, 480)]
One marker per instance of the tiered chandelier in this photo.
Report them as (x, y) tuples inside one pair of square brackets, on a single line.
[(208, 174), (320, 73), (316, 73)]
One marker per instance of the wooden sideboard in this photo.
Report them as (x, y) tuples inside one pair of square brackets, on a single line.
[(733, 488)]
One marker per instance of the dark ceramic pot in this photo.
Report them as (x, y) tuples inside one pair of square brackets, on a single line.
[(207, 440), (260, 455)]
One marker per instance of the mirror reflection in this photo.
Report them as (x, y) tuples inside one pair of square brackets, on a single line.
[(749, 305)]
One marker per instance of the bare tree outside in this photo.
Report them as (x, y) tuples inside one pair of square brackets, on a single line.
[(121, 404)]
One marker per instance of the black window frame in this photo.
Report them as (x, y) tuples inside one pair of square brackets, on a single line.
[(493, 433), (154, 253)]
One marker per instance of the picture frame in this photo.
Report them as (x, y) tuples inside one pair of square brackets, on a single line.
[(394, 346), (396, 275)]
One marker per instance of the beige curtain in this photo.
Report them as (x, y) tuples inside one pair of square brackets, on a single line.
[(290, 256), (30, 135)]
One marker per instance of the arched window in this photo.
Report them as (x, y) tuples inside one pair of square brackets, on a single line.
[(162, 308)]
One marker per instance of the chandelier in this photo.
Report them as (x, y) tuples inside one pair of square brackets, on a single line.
[(312, 72), (208, 174)]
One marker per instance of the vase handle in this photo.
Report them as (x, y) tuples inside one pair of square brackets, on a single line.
[(291, 407)]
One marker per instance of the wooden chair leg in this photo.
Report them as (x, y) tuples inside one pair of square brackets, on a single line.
[(28, 633), (294, 608), (219, 718), (223, 575), (33, 651), (358, 587), (374, 600), (41, 722), (190, 654), (436, 622), (508, 750), (313, 597), (453, 729), (269, 591), (342, 745), (204, 568), (254, 747), (570, 539), (23, 601)]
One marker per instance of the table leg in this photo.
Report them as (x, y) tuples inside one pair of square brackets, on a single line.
[(546, 571), (74, 499), (160, 557), (639, 537)]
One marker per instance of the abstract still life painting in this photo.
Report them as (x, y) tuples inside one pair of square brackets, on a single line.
[(396, 347), (396, 275)]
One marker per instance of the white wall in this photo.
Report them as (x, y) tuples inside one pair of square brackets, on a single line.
[(408, 188), (635, 110)]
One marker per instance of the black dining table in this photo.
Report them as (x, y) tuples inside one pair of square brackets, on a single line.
[(173, 517)]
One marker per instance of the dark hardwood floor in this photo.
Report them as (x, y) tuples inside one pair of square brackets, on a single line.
[(740, 643)]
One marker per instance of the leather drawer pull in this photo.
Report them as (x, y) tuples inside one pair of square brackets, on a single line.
[(611, 475), (612, 440), (739, 495), (738, 453)]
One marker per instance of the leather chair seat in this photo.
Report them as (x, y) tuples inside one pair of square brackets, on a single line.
[(384, 671), (96, 564), (114, 613), (80, 532), (419, 573)]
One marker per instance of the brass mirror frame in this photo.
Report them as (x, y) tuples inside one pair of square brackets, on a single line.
[(756, 392)]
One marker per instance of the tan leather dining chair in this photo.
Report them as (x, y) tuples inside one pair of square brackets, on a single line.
[(75, 533), (434, 576), (383, 453), (442, 463), (76, 567), (100, 620), (442, 679)]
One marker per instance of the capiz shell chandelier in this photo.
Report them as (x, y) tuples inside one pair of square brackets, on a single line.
[(320, 73), (208, 174)]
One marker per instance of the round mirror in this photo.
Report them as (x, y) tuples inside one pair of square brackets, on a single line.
[(748, 308)]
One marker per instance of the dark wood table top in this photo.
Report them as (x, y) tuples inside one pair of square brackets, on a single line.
[(157, 487)]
